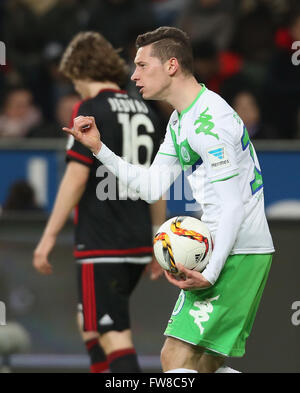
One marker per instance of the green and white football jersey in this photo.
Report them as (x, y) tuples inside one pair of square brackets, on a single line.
[(210, 138)]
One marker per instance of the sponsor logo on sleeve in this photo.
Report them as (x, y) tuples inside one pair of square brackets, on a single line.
[(217, 157)]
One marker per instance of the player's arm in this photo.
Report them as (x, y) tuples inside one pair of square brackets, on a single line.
[(70, 191), (150, 183), (231, 218), (158, 217), (158, 214), (225, 183)]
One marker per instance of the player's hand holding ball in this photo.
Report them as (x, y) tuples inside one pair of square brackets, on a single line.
[(86, 132), (183, 247), (187, 279)]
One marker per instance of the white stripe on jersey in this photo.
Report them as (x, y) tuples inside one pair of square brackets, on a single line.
[(141, 260)]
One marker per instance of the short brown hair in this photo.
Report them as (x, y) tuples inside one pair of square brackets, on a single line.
[(89, 56), (169, 42)]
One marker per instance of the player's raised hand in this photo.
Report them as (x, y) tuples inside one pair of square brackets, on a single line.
[(86, 132), (192, 280)]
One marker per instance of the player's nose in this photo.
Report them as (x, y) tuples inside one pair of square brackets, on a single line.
[(134, 76)]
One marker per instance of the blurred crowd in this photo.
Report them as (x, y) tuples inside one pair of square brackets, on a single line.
[(243, 51)]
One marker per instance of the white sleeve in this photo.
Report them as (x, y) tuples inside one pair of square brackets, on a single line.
[(232, 216), (150, 183)]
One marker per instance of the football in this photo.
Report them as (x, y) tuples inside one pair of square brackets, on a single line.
[(183, 239)]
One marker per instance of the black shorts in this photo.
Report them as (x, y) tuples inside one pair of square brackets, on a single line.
[(104, 291)]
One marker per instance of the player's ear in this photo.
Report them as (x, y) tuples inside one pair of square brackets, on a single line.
[(172, 66)]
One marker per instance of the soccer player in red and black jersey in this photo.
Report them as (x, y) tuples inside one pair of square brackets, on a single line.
[(113, 236)]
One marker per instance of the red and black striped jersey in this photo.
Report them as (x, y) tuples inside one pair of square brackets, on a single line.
[(112, 224)]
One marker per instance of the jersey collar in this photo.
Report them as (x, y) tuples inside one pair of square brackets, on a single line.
[(112, 91), (193, 103)]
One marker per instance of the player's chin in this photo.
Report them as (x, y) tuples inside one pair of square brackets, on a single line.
[(147, 95)]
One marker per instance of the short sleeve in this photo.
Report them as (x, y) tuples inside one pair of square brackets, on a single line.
[(75, 150)]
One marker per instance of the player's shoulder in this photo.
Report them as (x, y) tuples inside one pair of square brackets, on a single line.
[(102, 103), (107, 101), (121, 101), (212, 121), (212, 111), (214, 102), (82, 107)]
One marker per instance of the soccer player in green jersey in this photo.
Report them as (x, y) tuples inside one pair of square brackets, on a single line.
[(216, 309)]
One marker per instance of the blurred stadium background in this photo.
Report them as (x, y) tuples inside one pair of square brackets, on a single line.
[(243, 51)]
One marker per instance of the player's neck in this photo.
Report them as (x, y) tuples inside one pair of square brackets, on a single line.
[(189, 88), (92, 88)]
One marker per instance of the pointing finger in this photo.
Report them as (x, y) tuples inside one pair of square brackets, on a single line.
[(71, 132), (68, 130)]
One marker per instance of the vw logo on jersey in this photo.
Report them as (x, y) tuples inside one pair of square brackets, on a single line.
[(179, 304), (185, 154)]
